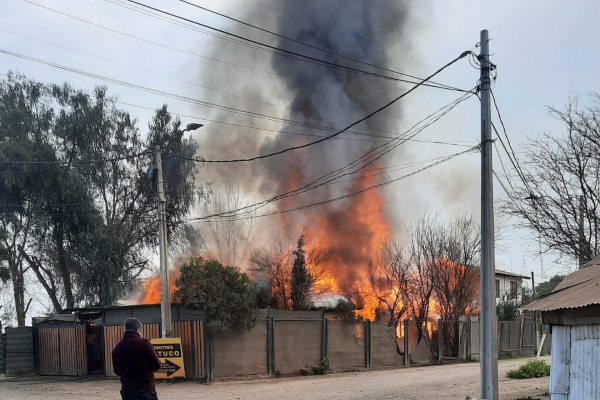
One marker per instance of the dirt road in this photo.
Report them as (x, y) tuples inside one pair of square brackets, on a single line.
[(434, 382)]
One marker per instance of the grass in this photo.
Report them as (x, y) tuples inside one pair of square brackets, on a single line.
[(533, 369), (507, 357), (319, 369)]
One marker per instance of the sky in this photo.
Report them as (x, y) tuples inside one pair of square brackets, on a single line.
[(544, 50)]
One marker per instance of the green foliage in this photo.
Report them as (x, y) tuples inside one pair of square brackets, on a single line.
[(301, 280), (225, 293), (88, 228), (345, 311), (545, 288), (320, 369), (508, 309), (533, 369)]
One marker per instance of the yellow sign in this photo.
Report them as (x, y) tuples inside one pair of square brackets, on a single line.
[(171, 358)]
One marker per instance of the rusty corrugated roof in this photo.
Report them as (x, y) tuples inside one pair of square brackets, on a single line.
[(580, 289)]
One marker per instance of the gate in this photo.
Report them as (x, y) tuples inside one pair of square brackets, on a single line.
[(62, 351)]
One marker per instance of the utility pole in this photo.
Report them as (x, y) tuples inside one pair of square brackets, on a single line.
[(165, 303), (535, 314), (489, 343), (165, 285), (581, 232)]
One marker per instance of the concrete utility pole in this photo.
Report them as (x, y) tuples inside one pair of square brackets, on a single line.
[(581, 232), (165, 285), (165, 297), (489, 343)]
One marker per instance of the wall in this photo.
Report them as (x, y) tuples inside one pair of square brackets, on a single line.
[(505, 287), (575, 362)]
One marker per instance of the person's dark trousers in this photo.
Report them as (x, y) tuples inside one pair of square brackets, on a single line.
[(138, 395)]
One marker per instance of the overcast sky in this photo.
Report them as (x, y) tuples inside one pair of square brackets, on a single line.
[(543, 49)]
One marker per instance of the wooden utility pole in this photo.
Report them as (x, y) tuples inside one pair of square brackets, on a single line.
[(489, 343), (535, 315)]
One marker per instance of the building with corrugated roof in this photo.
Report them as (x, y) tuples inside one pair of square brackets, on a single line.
[(573, 312)]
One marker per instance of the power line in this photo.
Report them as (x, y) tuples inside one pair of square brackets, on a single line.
[(283, 52), (422, 140), (368, 158), (511, 155), (142, 69), (150, 41), (336, 198), (213, 105), (195, 84), (340, 131), (287, 38), (78, 161)]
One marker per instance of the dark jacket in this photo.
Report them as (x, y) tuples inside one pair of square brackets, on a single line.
[(135, 360)]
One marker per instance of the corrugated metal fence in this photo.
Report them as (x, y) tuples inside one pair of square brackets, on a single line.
[(62, 351), (192, 341), (19, 351)]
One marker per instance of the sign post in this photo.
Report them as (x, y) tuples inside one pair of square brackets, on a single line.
[(170, 355)]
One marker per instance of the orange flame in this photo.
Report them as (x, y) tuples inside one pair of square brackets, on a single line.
[(151, 288)]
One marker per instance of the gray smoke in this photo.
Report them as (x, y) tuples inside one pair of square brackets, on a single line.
[(370, 30)]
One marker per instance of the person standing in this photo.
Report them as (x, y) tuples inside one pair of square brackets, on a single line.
[(135, 361)]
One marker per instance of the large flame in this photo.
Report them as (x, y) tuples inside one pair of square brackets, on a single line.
[(352, 230), (151, 288)]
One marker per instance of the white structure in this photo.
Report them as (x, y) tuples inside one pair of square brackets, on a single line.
[(509, 286), (573, 312)]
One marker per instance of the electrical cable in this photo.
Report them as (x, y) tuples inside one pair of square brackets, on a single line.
[(340, 131), (280, 51), (355, 193), (79, 161), (366, 158), (309, 45), (213, 105)]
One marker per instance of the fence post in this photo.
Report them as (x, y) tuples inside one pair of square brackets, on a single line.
[(271, 345), (324, 339), (521, 333), (368, 343), (440, 340), (406, 350), (468, 350)]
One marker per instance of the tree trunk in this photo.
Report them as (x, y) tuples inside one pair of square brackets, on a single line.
[(37, 269), (18, 283), (63, 268)]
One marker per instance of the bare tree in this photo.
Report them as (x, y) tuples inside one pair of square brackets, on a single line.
[(556, 171), (388, 279), (420, 282), (276, 264), (230, 237)]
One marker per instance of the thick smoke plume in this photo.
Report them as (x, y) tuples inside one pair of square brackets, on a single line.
[(373, 31)]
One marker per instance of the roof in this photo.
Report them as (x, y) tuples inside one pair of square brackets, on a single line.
[(579, 289), (500, 272)]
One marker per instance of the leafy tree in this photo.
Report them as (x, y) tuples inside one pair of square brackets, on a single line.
[(545, 288), (507, 309), (227, 294), (301, 279), (86, 229), (562, 174), (345, 311)]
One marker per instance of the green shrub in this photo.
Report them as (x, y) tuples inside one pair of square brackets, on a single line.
[(319, 369), (533, 369)]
